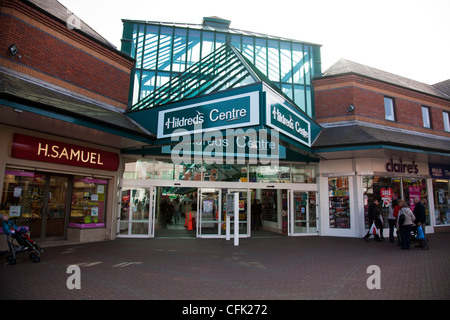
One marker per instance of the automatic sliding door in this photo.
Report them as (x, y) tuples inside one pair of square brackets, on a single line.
[(244, 210), (209, 216), (303, 219), (135, 218)]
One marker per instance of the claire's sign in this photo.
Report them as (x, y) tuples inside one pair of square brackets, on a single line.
[(38, 149)]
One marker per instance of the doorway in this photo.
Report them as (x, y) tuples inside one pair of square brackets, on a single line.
[(303, 218), (187, 209), (176, 211)]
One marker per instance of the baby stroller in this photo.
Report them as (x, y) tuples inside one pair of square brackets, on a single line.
[(19, 241)]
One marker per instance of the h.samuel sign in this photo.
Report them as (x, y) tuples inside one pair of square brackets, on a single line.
[(230, 112)]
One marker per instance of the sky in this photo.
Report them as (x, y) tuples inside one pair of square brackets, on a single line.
[(410, 38)]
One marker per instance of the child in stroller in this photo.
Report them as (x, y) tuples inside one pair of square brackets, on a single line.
[(19, 241)]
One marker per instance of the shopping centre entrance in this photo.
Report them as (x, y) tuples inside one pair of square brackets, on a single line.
[(185, 209)]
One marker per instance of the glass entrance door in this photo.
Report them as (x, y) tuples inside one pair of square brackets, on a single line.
[(244, 210), (303, 214), (55, 206), (136, 214), (212, 217), (209, 216)]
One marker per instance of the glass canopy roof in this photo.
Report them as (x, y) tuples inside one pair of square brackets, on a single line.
[(164, 51), (223, 69)]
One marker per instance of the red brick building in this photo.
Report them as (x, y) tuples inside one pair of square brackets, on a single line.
[(382, 136), (63, 93)]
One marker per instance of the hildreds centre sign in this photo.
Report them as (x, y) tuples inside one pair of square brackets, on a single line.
[(230, 112)]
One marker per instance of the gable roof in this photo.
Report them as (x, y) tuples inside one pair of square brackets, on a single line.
[(344, 67), (59, 11), (443, 87)]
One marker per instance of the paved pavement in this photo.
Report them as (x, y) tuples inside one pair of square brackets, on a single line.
[(263, 269)]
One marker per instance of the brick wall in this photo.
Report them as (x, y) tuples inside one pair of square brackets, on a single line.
[(334, 95), (56, 54)]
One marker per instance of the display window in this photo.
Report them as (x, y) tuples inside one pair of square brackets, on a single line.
[(158, 169), (390, 189), (339, 202), (88, 202), (386, 189), (47, 203), (441, 188)]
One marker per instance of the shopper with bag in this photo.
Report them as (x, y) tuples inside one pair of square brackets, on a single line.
[(421, 217), (400, 205), (405, 221), (392, 218), (373, 215)]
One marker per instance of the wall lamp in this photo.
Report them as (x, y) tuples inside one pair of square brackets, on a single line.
[(13, 49), (351, 108)]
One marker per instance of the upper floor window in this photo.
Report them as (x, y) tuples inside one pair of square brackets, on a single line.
[(446, 121), (426, 117), (389, 109)]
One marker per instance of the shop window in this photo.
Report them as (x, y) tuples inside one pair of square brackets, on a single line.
[(139, 170), (163, 170), (339, 202), (23, 198), (416, 188), (303, 173), (387, 190), (190, 172), (88, 202), (389, 109), (225, 172), (270, 174), (441, 189)]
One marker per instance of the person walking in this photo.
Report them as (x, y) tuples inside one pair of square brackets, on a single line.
[(421, 218), (374, 214), (176, 210), (398, 207), (392, 219), (406, 226)]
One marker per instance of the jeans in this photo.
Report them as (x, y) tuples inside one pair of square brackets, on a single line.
[(391, 230), (405, 231)]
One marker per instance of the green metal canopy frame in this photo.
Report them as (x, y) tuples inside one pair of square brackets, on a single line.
[(225, 71), (222, 69)]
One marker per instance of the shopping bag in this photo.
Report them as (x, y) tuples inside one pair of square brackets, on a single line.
[(373, 229), (420, 235)]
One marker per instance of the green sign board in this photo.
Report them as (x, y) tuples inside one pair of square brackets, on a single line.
[(284, 118), (224, 113)]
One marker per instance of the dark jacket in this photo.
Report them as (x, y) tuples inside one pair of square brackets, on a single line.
[(419, 213), (373, 213)]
